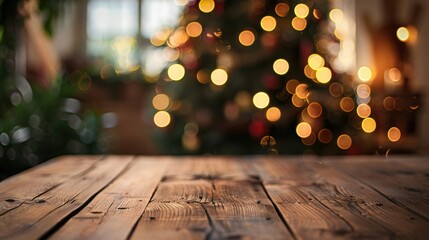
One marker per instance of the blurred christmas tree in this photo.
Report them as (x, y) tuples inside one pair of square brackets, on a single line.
[(251, 76), (37, 123)]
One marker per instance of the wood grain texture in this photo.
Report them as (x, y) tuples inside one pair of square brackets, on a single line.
[(114, 211), (28, 185), (404, 183), (37, 216), (367, 213)]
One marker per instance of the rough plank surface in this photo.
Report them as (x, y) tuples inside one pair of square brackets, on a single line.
[(114, 211), (207, 197), (37, 216)]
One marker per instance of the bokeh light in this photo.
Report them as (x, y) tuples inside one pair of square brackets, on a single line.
[(394, 74), (368, 125), (206, 6), (303, 129), (291, 86), (246, 38), (403, 34), (219, 77), (365, 73), (363, 110), (273, 114), (162, 119), (301, 10), (363, 91), (336, 89), (315, 61), (176, 72), (314, 110), (301, 91), (194, 29), (394, 134), (268, 23), (347, 104), (336, 15), (281, 66), (299, 24), (323, 75), (161, 101), (268, 141), (282, 9), (261, 100), (344, 141)]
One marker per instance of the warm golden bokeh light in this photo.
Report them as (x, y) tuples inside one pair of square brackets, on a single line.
[(303, 129), (365, 73), (363, 91), (219, 77), (281, 66), (315, 61), (170, 54), (246, 38), (363, 110), (161, 101), (347, 104), (206, 6), (291, 86), (301, 91), (309, 72), (394, 74), (344, 141), (202, 77), (162, 119), (268, 141), (323, 75), (176, 72), (394, 134), (301, 10), (194, 29), (261, 100), (314, 110), (282, 9), (297, 101), (403, 34), (157, 39), (324, 135), (268, 23), (368, 125), (310, 140), (299, 24), (273, 114), (243, 99), (336, 15)]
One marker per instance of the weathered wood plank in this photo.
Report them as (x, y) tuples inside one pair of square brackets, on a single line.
[(368, 213), (34, 218), (240, 207), (399, 181), (114, 211), (176, 211), (26, 186)]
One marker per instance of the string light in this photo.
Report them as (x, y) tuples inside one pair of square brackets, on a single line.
[(219, 77), (194, 29), (364, 73), (206, 6), (281, 66), (261, 100), (301, 10), (162, 119), (268, 23), (273, 114), (299, 24), (323, 75), (394, 134), (368, 125), (303, 129), (246, 38), (344, 141), (403, 34), (176, 72)]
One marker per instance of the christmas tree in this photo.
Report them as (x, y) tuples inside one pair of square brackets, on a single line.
[(255, 76)]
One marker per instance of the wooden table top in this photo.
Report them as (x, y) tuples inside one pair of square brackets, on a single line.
[(260, 197)]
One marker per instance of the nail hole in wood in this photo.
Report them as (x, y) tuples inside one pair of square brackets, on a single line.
[(10, 200), (40, 200), (122, 208), (96, 212)]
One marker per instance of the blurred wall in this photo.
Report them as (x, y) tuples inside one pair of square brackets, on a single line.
[(419, 52)]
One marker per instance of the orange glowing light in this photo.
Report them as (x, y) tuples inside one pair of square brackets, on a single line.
[(273, 114), (246, 38), (310, 140), (206, 6), (368, 125), (403, 34), (219, 77), (394, 134), (336, 89), (282, 9), (365, 74), (363, 91), (176, 72), (299, 24), (323, 75), (161, 101), (291, 86), (363, 110), (347, 104), (336, 15), (194, 29), (303, 129), (281, 66), (268, 23), (301, 91), (344, 141), (315, 61), (314, 110), (297, 101), (203, 77)]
